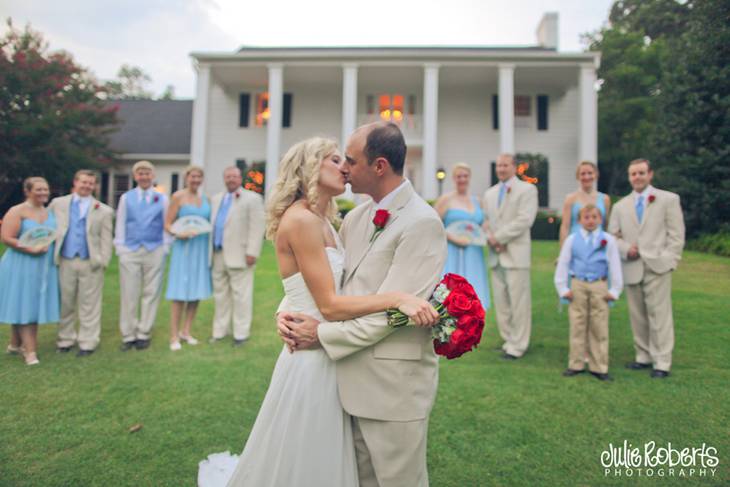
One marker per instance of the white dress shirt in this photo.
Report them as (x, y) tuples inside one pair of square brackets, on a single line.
[(562, 272), (120, 228), (647, 191), (383, 203), (84, 203)]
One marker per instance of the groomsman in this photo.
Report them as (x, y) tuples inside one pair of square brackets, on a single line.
[(649, 227), (238, 233), (511, 207), (82, 253), (141, 245)]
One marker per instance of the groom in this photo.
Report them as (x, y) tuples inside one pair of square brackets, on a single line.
[(386, 378)]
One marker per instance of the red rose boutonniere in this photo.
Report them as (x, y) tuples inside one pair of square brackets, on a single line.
[(509, 189), (604, 242), (156, 199), (97, 205), (380, 220), (651, 198), (238, 194)]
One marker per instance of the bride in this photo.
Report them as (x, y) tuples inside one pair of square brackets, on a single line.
[(302, 437)]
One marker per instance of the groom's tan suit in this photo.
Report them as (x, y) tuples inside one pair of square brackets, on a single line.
[(82, 280), (660, 239), (387, 378)]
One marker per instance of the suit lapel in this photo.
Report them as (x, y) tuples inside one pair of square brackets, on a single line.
[(394, 208), (647, 208), (89, 213)]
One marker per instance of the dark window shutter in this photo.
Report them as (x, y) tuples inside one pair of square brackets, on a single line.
[(174, 182), (286, 116), (244, 107), (495, 112), (542, 112)]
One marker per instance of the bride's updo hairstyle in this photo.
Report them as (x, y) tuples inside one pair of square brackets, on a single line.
[(298, 178)]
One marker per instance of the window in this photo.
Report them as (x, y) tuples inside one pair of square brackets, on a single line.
[(121, 186), (522, 106), (263, 112), (244, 108), (495, 112), (542, 112), (390, 108), (370, 105), (174, 182), (241, 165), (104, 196), (533, 169)]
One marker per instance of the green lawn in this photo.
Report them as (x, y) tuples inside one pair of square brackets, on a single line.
[(65, 422)]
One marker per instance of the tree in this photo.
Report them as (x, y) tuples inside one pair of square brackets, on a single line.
[(52, 119), (692, 136), (168, 94), (130, 84)]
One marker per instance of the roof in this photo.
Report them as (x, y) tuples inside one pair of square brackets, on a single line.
[(153, 126)]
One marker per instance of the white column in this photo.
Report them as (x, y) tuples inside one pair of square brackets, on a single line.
[(273, 126), (200, 116), (430, 130), (349, 110), (588, 120), (507, 108)]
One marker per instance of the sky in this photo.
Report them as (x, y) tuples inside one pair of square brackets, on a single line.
[(159, 35)]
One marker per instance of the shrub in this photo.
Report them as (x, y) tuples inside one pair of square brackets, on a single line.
[(713, 243), (344, 206)]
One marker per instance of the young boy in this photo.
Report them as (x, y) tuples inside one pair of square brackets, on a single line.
[(589, 262)]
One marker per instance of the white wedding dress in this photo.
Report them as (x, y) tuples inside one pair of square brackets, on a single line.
[(302, 437)]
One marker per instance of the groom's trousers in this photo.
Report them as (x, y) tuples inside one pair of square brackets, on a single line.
[(391, 453), (513, 307)]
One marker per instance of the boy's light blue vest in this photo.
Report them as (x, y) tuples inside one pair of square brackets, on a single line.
[(589, 263), (144, 226), (74, 244)]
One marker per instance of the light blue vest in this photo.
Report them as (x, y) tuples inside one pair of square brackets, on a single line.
[(74, 244), (589, 263), (145, 222)]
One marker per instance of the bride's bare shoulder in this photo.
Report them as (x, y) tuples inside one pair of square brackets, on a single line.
[(297, 219)]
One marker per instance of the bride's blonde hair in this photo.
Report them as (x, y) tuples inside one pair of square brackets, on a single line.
[(298, 178)]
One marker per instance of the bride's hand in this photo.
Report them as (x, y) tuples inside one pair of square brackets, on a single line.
[(418, 310)]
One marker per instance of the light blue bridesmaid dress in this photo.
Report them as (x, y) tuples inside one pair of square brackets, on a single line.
[(600, 204), (189, 275), (468, 261), (29, 290)]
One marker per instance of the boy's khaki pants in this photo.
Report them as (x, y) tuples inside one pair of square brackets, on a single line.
[(588, 313)]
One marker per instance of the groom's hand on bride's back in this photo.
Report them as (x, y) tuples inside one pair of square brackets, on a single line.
[(297, 330)]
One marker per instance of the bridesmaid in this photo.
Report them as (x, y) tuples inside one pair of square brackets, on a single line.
[(189, 278), (29, 293), (587, 175), (464, 259)]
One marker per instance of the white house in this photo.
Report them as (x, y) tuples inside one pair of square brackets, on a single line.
[(454, 104)]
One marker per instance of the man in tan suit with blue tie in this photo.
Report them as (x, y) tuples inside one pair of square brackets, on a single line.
[(386, 377), (83, 251), (238, 234), (511, 207), (649, 227)]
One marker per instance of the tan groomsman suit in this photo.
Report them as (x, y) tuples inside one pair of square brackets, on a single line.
[(232, 278), (510, 224), (648, 279), (82, 280), (387, 378)]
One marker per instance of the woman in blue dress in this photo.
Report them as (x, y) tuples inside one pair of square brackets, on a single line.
[(188, 280), (587, 175), (29, 292), (464, 259)]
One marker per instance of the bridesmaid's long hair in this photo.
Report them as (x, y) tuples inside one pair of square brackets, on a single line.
[(298, 180)]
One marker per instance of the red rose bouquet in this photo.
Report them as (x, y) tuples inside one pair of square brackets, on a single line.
[(461, 322)]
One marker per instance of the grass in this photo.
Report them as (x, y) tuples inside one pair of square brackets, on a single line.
[(65, 422)]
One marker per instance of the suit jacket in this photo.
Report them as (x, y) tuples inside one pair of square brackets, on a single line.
[(660, 236), (244, 228), (511, 222), (99, 225), (384, 373)]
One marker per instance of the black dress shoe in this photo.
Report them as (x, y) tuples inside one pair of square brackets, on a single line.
[(603, 377), (509, 356), (637, 366), (659, 374), (571, 372), (239, 343), (141, 344), (63, 349), (126, 346), (84, 353)]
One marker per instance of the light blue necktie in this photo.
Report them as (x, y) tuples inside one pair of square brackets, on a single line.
[(640, 208), (220, 221), (590, 240), (502, 190)]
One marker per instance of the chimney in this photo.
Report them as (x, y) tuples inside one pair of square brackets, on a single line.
[(547, 31)]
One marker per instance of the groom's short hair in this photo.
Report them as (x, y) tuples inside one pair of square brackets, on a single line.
[(386, 141)]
